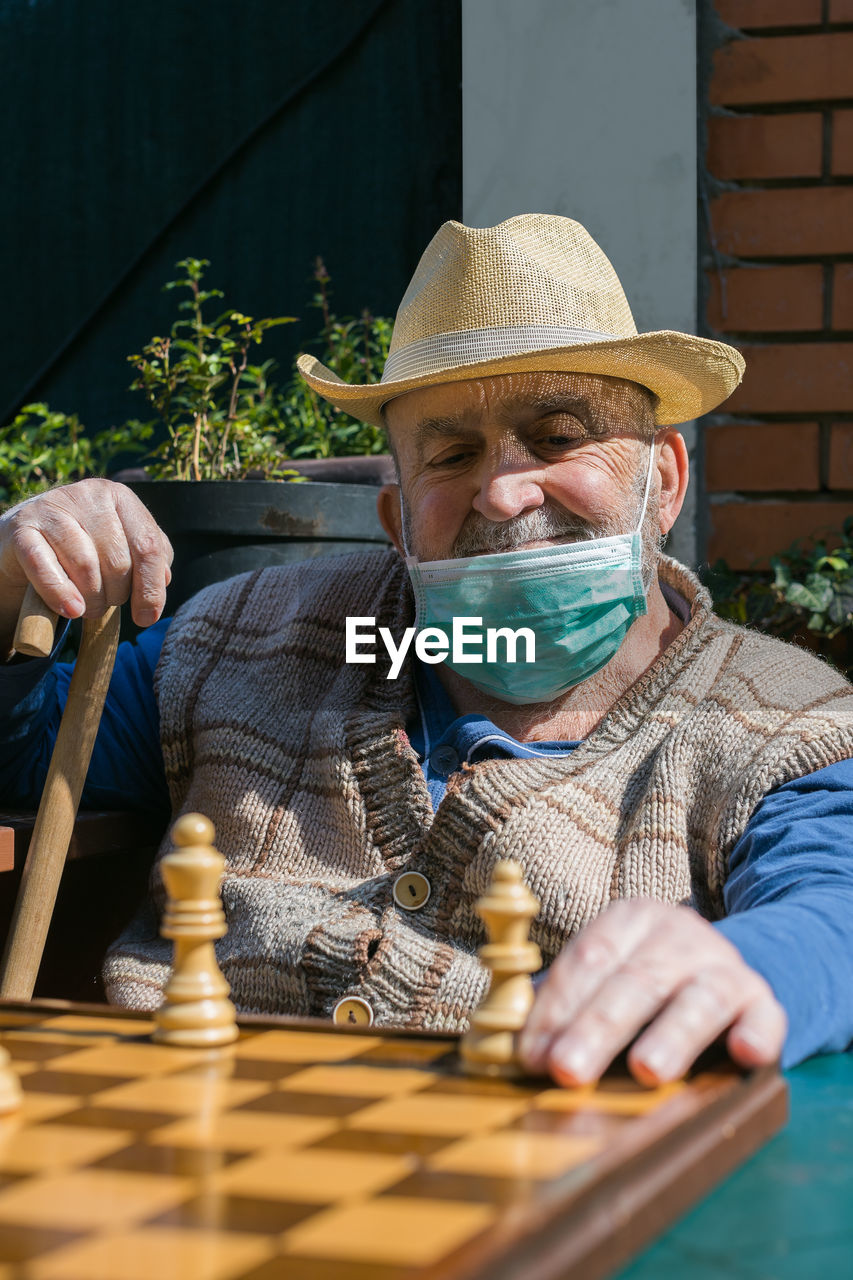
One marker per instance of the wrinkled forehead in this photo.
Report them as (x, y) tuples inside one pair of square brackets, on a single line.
[(604, 405)]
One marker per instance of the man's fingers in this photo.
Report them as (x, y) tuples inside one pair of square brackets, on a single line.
[(758, 1036), (717, 998), (151, 576), (701, 1010), (151, 556), (42, 568), (78, 555), (639, 965), (87, 546), (579, 971), (618, 1010), (116, 561)]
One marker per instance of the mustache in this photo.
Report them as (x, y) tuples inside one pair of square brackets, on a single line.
[(478, 534)]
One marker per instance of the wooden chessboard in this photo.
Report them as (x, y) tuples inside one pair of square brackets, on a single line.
[(313, 1153)]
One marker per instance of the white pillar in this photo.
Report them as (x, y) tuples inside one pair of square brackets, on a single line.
[(588, 108)]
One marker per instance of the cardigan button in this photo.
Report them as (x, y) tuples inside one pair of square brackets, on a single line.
[(411, 890), (352, 1011), (443, 760)]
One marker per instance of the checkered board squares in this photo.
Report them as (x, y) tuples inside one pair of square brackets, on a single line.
[(298, 1152)]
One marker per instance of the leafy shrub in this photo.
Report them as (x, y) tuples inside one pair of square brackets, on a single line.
[(221, 415), (356, 350), (219, 411), (808, 593), (41, 448)]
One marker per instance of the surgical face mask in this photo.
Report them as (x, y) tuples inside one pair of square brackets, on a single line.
[(578, 600)]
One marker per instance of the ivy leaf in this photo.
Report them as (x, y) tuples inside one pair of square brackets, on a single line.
[(820, 589), (841, 608), (834, 562), (798, 594)]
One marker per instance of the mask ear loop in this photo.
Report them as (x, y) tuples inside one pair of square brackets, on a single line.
[(639, 527), (410, 560)]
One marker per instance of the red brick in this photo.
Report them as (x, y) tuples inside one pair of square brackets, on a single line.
[(842, 142), (757, 457), (841, 10), (795, 378), (841, 456), (769, 13), (766, 298), (807, 220), (842, 297), (799, 68), (747, 534), (788, 146)]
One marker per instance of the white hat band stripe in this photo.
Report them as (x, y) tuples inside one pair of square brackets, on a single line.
[(473, 346)]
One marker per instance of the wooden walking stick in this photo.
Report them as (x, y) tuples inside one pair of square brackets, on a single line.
[(67, 772)]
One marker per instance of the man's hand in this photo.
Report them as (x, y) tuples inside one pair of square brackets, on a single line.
[(84, 547), (642, 962)]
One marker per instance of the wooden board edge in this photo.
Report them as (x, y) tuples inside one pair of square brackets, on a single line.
[(603, 1230)]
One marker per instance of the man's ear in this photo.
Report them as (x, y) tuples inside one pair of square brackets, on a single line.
[(674, 472), (390, 514)]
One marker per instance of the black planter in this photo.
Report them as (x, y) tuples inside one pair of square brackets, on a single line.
[(219, 528)]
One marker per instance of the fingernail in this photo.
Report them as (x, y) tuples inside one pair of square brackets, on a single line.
[(577, 1060), (753, 1041), (146, 617), (657, 1061)]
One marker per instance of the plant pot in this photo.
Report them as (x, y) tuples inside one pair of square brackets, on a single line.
[(219, 528), (375, 468)]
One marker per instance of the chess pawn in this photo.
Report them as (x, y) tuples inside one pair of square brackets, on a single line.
[(196, 1011), (508, 908), (10, 1085)]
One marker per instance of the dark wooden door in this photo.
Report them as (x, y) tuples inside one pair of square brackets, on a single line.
[(257, 134)]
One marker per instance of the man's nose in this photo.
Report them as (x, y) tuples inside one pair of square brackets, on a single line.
[(508, 491)]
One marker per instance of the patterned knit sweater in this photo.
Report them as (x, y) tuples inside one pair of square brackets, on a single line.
[(319, 802)]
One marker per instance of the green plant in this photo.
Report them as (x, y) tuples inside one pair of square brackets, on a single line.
[(356, 349), (41, 448), (810, 590), (220, 412), (817, 584), (221, 416)]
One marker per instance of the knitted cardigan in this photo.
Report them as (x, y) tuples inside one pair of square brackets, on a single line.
[(319, 802)]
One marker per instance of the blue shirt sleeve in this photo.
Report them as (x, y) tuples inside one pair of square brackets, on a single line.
[(789, 895), (789, 905), (126, 771)]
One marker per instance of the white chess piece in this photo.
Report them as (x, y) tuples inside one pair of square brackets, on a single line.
[(489, 1046), (196, 1011)]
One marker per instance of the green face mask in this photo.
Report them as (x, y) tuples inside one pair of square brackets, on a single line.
[(579, 600)]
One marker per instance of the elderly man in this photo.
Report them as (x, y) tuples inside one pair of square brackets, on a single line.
[(676, 789)]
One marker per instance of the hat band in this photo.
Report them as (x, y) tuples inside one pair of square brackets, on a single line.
[(474, 346)]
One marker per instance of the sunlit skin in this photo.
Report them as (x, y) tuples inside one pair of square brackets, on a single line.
[(501, 447)]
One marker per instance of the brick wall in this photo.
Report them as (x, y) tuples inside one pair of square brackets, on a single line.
[(778, 252)]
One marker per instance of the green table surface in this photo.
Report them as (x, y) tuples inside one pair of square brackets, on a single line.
[(787, 1214)]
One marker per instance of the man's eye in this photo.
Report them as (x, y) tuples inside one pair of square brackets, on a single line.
[(566, 431), (560, 443), (451, 459)]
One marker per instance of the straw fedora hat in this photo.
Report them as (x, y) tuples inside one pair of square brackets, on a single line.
[(533, 293)]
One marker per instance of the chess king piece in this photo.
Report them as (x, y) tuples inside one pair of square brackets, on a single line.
[(10, 1085), (489, 1045), (196, 1011)]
